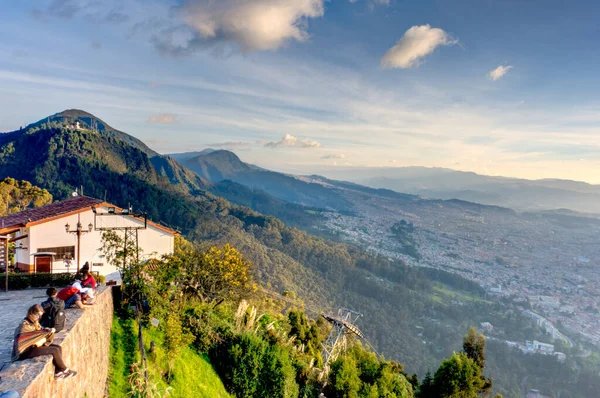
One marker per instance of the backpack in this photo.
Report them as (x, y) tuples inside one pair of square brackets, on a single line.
[(54, 314)]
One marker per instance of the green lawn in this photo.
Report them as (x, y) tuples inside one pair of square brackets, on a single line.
[(123, 352), (443, 293), (193, 374)]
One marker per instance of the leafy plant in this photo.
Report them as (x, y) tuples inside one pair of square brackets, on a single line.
[(140, 387), (176, 338)]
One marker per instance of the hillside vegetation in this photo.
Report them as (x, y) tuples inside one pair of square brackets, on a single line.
[(191, 371), (258, 350)]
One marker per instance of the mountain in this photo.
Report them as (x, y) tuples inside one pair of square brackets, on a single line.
[(73, 153), (58, 157), (182, 157), (415, 315), (291, 214), (515, 193), (72, 116), (222, 165)]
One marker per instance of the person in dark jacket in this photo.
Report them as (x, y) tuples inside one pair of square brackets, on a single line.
[(25, 347), (53, 302)]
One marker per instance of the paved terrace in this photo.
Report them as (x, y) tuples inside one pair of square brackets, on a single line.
[(85, 342), (13, 308)]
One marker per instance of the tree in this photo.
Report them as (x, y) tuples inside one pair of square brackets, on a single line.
[(17, 196), (305, 333), (344, 380), (118, 252), (213, 275), (457, 377), (426, 390), (278, 375), (474, 347), (252, 368), (175, 339)]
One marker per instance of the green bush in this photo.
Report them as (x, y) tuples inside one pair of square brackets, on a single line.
[(19, 281), (250, 367), (100, 279)]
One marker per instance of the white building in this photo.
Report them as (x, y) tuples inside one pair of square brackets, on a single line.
[(537, 346), (488, 327), (44, 245)]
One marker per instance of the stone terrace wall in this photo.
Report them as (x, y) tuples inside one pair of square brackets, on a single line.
[(85, 345)]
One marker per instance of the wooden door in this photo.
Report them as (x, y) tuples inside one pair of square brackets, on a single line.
[(43, 264)]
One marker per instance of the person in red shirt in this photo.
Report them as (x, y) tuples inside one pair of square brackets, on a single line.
[(71, 295), (88, 280)]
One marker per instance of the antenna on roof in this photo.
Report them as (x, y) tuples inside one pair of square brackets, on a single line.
[(105, 195), (75, 194), (81, 190)]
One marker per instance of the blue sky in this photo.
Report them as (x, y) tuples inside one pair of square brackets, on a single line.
[(299, 85)]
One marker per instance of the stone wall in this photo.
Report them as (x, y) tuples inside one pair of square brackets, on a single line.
[(85, 345)]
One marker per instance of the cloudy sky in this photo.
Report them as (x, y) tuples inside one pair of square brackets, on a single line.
[(500, 87)]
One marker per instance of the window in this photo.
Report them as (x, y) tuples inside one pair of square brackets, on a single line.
[(62, 252)]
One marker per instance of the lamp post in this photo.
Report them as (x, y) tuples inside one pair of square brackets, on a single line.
[(78, 231)]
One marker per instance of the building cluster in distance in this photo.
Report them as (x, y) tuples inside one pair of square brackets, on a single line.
[(547, 265)]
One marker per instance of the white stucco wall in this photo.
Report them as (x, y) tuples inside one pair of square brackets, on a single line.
[(154, 242)]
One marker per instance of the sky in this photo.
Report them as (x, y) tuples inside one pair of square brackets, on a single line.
[(497, 87)]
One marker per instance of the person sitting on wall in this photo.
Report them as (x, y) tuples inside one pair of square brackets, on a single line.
[(83, 270), (32, 341), (88, 280), (87, 293), (54, 311), (72, 295)]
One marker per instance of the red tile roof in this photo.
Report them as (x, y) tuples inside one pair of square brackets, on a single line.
[(53, 210)]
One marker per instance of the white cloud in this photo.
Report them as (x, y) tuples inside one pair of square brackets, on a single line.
[(499, 72), (306, 143), (287, 141), (163, 118), (416, 43), (334, 156), (291, 141), (253, 25)]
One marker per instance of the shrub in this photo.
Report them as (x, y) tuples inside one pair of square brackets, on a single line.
[(250, 367), (100, 279), (19, 281)]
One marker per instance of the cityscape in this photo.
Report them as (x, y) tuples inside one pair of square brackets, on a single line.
[(543, 263)]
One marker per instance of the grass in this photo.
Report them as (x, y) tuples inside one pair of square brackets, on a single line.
[(443, 293), (193, 374), (123, 353)]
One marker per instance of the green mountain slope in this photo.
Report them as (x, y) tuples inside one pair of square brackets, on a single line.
[(72, 116)]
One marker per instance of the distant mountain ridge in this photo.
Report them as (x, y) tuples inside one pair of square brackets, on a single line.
[(520, 194), (221, 165)]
